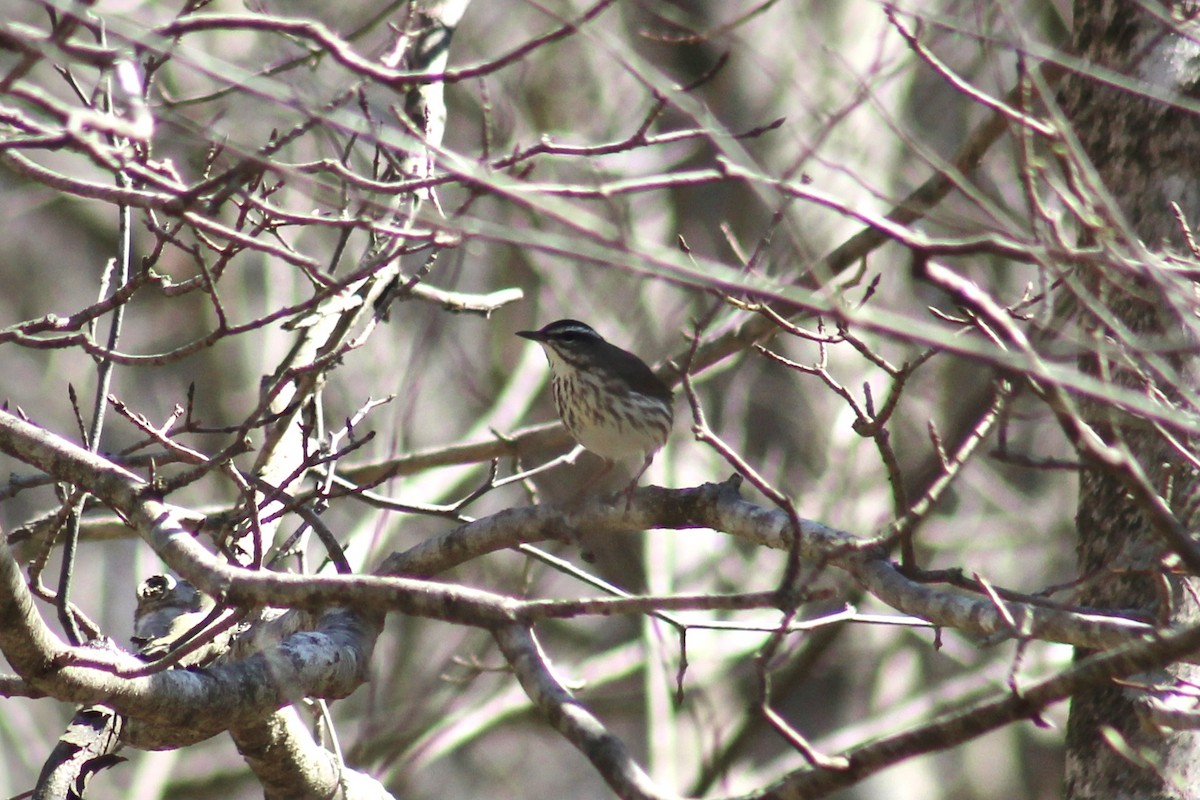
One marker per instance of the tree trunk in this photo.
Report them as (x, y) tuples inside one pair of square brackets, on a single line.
[(1145, 152)]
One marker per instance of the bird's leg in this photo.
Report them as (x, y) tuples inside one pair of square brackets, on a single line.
[(633, 483)]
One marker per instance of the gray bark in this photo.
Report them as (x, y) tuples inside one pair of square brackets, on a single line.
[(1144, 151)]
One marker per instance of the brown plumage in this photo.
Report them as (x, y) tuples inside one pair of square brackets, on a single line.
[(608, 399)]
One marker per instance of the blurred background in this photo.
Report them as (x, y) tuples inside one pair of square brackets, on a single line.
[(825, 96)]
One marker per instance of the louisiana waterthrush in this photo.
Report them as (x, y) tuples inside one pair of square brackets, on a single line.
[(608, 399)]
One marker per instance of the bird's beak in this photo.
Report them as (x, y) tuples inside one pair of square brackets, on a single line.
[(535, 336)]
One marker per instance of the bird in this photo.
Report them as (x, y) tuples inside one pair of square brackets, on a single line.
[(167, 609), (608, 399)]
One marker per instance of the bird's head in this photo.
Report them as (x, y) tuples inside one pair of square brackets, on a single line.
[(568, 342)]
